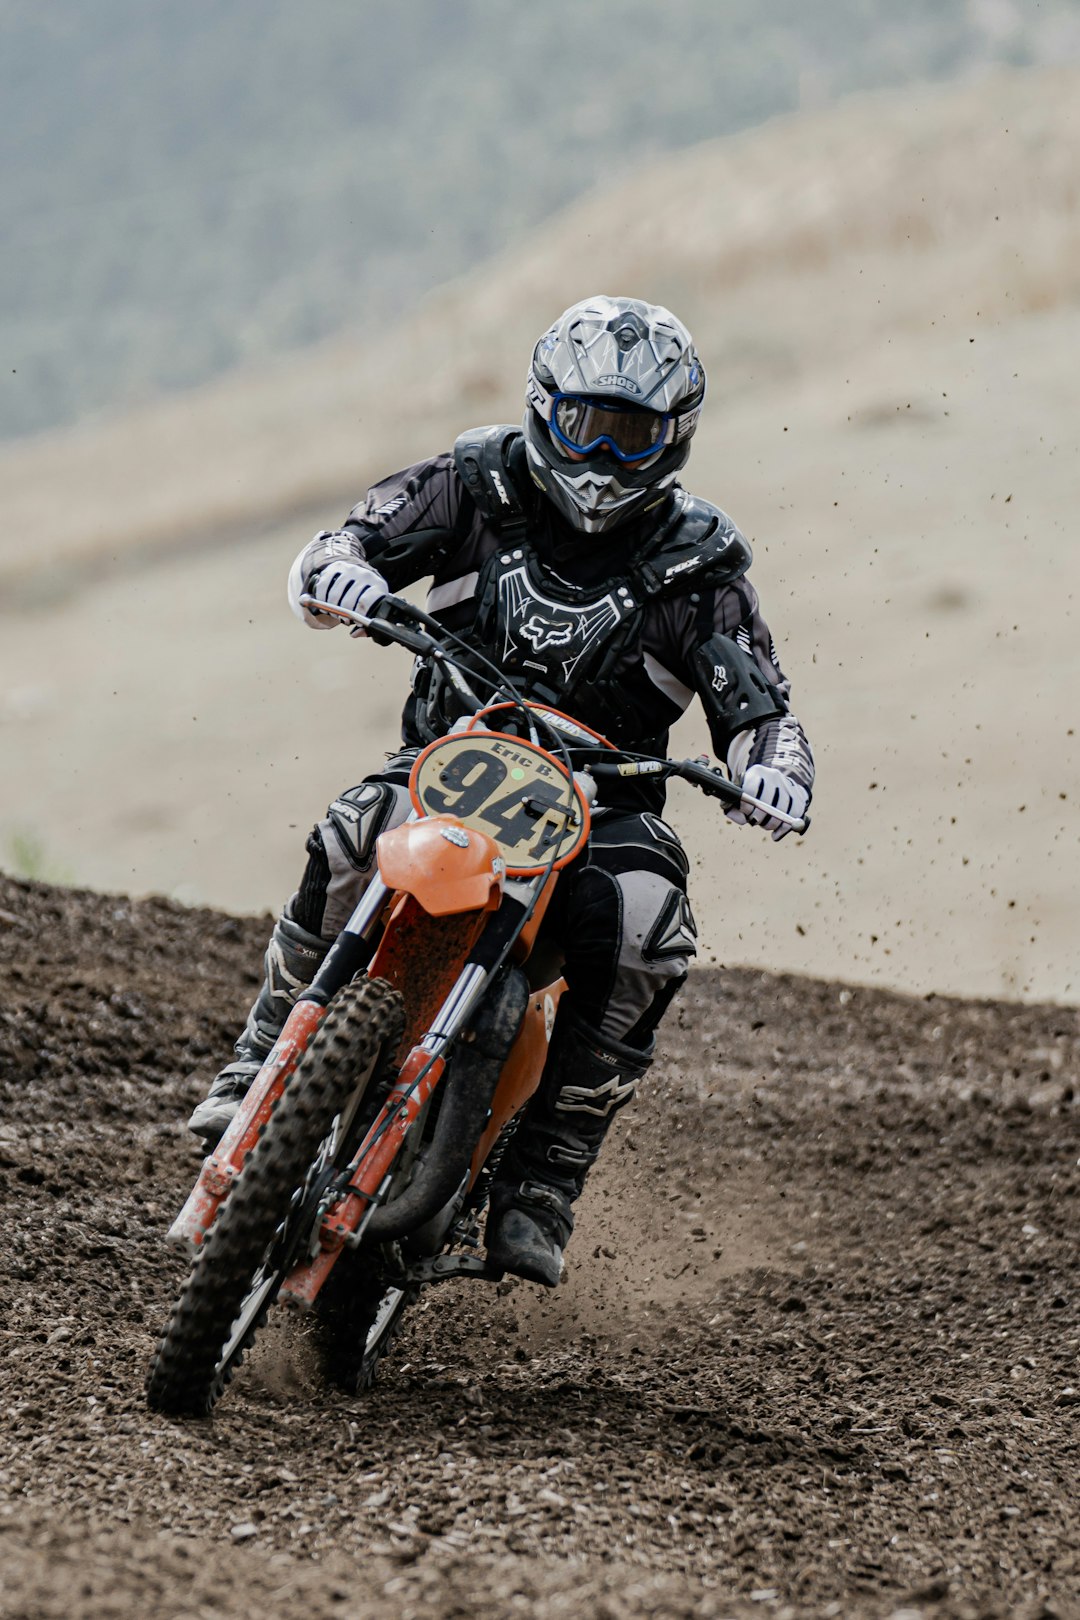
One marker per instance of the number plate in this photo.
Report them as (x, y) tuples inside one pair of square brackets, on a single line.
[(511, 790)]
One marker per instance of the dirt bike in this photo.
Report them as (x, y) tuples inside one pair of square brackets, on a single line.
[(357, 1169)]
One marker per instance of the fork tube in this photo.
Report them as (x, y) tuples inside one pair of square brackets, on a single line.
[(354, 947), (454, 1012), (475, 976)]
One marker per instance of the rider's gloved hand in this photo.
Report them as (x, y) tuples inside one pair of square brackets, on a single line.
[(349, 584), (779, 791)]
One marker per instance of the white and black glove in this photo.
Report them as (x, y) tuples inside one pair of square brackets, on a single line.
[(777, 790), (353, 585), (333, 570)]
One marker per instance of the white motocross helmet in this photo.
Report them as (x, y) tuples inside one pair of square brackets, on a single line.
[(613, 396)]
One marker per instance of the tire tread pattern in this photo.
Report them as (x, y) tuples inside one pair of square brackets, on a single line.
[(365, 1019)]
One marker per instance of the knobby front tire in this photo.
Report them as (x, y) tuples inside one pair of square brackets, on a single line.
[(195, 1358)]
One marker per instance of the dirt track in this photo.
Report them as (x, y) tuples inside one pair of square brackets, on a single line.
[(818, 1353)]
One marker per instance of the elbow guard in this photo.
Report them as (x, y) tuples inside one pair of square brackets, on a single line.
[(734, 692)]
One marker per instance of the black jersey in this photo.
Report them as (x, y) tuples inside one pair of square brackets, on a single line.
[(620, 632)]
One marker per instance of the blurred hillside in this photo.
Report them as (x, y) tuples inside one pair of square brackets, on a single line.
[(887, 298), (189, 189)]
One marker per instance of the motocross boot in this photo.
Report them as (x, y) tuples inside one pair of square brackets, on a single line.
[(588, 1078), (293, 957)]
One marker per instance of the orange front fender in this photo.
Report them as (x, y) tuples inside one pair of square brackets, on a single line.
[(443, 864)]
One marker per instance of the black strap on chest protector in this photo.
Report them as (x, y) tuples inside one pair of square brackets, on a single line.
[(490, 463)]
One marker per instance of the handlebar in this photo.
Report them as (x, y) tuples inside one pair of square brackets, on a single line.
[(709, 778), (393, 620)]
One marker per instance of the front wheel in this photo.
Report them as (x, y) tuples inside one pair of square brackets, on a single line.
[(243, 1260)]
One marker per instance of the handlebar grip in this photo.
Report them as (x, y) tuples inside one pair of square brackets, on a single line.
[(721, 787)]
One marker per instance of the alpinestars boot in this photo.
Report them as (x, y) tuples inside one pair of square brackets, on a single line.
[(293, 957), (588, 1078)]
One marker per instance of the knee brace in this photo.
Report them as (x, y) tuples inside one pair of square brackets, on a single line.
[(341, 854), (355, 820), (629, 942)]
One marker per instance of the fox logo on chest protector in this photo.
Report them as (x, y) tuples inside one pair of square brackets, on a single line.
[(540, 633), (565, 636)]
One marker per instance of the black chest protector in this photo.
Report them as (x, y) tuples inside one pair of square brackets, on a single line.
[(551, 637), (561, 642)]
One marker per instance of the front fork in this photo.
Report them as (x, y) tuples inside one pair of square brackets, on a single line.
[(349, 955)]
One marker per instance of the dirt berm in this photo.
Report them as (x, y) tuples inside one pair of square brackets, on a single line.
[(817, 1353)]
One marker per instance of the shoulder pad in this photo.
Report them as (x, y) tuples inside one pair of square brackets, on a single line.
[(488, 464), (699, 545)]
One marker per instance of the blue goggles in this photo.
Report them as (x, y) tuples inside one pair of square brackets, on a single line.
[(584, 424)]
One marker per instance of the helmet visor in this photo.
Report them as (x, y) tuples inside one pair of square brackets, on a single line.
[(584, 424)]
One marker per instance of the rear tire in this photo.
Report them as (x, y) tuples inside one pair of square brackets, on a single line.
[(233, 1281)]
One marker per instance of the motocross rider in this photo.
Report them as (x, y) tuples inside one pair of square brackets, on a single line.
[(567, 552)]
